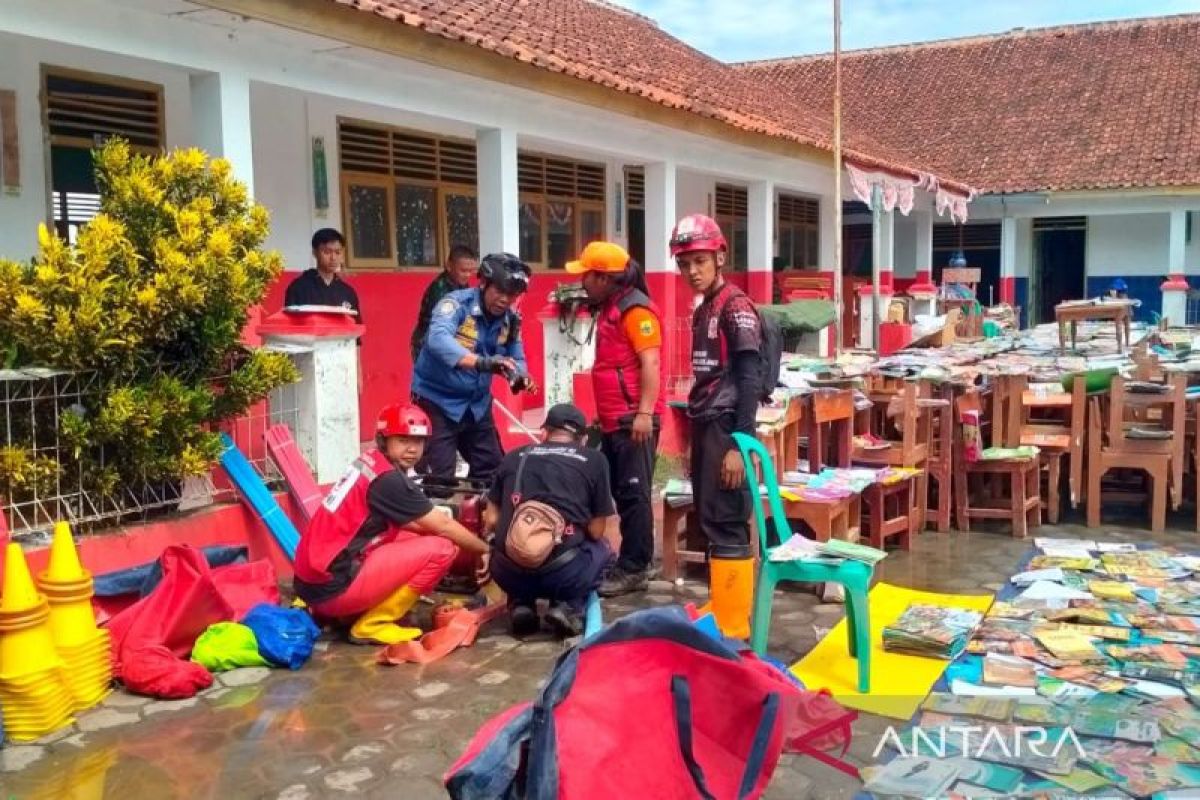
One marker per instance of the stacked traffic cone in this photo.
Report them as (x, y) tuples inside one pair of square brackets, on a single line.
[(83, 647), (33, 689)]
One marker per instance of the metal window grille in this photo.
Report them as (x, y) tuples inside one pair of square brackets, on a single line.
[(33, 401)]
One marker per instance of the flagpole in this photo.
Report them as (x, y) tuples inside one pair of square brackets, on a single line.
[(838, 304)]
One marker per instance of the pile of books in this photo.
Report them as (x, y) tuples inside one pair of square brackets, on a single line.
[(931, 631)]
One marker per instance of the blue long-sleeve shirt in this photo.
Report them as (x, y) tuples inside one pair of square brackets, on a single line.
[(459, 327)]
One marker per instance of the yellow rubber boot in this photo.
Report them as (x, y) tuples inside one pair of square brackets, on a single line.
[(731, 586), (378, 625)]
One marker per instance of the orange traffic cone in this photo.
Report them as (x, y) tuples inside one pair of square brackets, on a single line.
[(83, 647)]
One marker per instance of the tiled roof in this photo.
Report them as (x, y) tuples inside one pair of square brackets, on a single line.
[(1100, 106), (594, 41)]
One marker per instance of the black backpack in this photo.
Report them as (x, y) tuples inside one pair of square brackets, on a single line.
[(769, 354)]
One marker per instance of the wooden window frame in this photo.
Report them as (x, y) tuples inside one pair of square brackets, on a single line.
[(388, 184), (442, 188), (728, 222), (809, 229), (439, 224), (579, 204), (444, 229)]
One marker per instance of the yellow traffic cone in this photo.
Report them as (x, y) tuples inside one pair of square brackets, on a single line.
[(83, 647), (26, 644), (68, 587)]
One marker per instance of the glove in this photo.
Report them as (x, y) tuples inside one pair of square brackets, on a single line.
[(492, 364), (520, 383)]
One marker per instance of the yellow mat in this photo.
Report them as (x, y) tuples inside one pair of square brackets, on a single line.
[(898, 682)]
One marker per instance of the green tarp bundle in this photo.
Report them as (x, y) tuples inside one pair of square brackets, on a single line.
[(227, 645), (801, 316)]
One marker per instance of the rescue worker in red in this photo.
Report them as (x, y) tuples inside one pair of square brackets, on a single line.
[(627, 381), (377, 543), (726, 338)]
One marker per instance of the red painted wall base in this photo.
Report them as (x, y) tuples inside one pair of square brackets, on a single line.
[(225, 524)]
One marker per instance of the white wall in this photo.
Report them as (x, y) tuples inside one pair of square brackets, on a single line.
[(283, 172), (21, 60), (693, 193), (904, 246), (1127, 244)]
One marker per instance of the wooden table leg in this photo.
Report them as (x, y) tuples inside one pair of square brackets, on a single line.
[(670, 542)]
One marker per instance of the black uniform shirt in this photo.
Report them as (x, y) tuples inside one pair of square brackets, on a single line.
[(310, 289), (722, 326), (570, 478)]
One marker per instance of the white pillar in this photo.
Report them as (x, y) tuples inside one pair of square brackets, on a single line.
[(887, 246), (221, 120), (1008, 260), (761, 244), (886, 231), (923, 291), (1175, 289), (660, 216), (826, 235), (499, 197)]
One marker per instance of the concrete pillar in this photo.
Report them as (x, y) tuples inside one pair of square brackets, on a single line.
[(660, 216), (324, 348), (662, 277), (617, 215), (1008, 260), (761, 244), (923, 291), (1174, 290), (499, 201), (221, 120), (887, 254)]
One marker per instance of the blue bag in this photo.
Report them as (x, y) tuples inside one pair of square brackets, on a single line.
[(285, 635)]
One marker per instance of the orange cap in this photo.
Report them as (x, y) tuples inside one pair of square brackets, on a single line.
[(600, 257)]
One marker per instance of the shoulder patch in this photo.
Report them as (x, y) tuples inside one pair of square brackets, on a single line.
[(646, 327), (447, 307)]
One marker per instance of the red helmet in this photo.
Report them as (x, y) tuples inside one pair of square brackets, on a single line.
[(697, 232), (402, 420)]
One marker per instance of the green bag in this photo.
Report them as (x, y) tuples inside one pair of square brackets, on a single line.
[(227, 645)]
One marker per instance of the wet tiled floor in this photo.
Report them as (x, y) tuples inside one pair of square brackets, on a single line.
[(343, 726)]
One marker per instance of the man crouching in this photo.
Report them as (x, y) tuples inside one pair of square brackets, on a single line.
[(377, 544), (548, 505)]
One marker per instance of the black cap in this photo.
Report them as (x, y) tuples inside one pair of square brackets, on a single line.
[(567, 417)]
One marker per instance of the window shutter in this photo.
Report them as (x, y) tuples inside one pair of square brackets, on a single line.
[(364, 149), (405, 154), (635, 187), (85, 111), (732, 201)]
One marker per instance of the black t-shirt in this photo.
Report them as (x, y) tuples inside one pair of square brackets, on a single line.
[(392, 499), (310, 289), (723, 325), (570, 478)]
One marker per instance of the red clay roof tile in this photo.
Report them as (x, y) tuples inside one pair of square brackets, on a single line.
[(625, 51), (1098, 106)]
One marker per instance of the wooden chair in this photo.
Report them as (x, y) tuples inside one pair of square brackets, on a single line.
[(911, 449), (1011, 483), (1053, 438), (828, 418), (939, 467), (1113, 443)]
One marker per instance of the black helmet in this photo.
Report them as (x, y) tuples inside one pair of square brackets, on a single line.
[(505, 271)]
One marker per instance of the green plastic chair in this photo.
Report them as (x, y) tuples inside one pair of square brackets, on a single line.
[(854, 576)]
